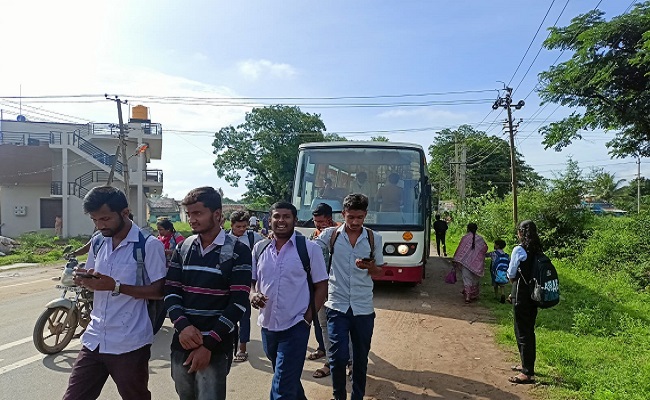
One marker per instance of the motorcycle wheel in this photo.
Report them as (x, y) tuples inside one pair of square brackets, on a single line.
[(54, 329)]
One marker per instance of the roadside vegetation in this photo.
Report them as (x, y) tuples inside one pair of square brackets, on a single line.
[(40, 248), (596, 343)]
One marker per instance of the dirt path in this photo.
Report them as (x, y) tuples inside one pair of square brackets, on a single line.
[(428, 344)]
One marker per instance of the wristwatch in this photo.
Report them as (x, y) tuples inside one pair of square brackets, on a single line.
[(116, 290)]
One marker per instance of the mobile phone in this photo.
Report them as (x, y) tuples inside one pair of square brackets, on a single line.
[(86, 276)]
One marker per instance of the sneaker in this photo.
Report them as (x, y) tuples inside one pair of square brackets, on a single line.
[(503, 299)]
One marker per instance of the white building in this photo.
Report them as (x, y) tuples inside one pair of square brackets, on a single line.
[(47, 168)]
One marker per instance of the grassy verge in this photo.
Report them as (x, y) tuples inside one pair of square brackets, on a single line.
[(40, 248), (594, 345)]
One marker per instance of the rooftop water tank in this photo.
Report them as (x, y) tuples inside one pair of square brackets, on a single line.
[(140, 113)]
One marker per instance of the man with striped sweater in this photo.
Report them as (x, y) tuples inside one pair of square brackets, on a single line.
[(206, 293)]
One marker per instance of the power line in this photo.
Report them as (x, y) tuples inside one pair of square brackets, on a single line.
[(531, 42), (541, 47)]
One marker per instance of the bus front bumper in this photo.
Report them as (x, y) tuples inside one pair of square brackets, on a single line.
[(412, 274)]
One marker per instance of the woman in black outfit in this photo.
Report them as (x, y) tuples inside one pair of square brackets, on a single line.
[(520, 272)]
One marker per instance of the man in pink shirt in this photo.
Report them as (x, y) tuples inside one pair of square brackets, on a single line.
[(283, 296)]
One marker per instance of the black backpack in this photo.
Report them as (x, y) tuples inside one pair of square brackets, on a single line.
[(544, 283), (301, 246)]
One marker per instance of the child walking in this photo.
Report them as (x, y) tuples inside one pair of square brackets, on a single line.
[(499, 269)]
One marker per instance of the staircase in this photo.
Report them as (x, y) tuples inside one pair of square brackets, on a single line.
[(79, 186), (100, 157)]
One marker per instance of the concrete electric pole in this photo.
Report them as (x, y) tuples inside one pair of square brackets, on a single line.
[(506, 102), (121, 148)]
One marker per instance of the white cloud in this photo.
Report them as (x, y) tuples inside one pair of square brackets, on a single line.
[(254, 69)]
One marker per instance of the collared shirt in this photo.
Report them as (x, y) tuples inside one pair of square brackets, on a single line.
[(350, 286), (518, 255), (120, 324), (219, 240), (281, 277), (244, 238)]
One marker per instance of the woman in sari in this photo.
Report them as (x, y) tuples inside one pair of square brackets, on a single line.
[(469, 258)]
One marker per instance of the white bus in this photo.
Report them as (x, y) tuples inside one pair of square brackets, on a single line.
[(394, 177)]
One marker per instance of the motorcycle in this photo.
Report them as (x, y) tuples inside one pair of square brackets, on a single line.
[(58, 323)]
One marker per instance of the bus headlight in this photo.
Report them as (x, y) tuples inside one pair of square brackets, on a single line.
[(402, 249), (389, 249)]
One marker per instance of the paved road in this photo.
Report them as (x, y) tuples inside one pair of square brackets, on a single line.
[(427, 345)]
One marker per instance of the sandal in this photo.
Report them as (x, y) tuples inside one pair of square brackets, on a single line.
[(322, 372), (522, 379), (241, 356), (315, 355)]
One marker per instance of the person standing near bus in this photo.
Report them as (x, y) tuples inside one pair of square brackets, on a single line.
[(355, 256), (287, 297), (238, 229), (440, 228)]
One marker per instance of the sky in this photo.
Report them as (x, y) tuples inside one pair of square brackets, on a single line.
[(400, 69)]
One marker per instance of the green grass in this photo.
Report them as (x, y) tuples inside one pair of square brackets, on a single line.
[(595, 344), (41, 248)]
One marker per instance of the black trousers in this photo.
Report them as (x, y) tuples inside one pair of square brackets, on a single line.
[(440, 238), (525, 315)]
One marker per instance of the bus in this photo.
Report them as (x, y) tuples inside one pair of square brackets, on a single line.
[(394, 176)]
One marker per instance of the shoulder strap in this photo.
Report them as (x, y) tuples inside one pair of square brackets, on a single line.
[(96, 242), (251, 238), (335, 235), (185, 248), (371, 240), (139, 254), (301, 244), (260, 249)]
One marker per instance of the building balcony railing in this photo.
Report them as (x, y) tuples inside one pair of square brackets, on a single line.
[(30, 139), (153, 175), (103, 129)]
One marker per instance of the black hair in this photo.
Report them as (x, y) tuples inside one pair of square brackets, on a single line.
[(206, 195), (166, 224), (113, 197), (472, 227), (239, 216), (285, 205), (437, 217), (361, 173), (500, 244), (529, 238), (393, 178), (323, 209), (355, 201)]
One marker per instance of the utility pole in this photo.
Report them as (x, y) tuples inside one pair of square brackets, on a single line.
[(638, 185), (506, 102), (121, 148), (463, 171)]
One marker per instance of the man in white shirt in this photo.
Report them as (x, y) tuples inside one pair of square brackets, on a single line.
[(117, 341)]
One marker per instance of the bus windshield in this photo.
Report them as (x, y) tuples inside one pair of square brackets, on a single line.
[(393, 179)]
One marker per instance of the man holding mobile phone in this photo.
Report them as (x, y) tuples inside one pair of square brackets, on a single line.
[(349, 306), (118, 339)]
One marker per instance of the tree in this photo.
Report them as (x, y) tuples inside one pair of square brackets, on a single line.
[(379, 139), (265, 146), (488, 163), (608, 78), (603, 184)]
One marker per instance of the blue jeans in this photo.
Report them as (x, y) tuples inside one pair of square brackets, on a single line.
[(245, 325), (286, 351), (341, 328), (206, 384)]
